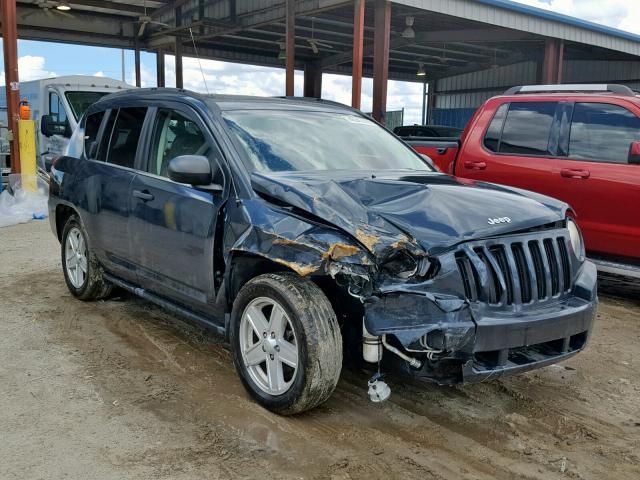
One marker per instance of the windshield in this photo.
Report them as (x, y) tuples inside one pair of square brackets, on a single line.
[(286, 140), (80, 101)]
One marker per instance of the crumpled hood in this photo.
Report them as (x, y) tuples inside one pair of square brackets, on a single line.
[(423, 212)]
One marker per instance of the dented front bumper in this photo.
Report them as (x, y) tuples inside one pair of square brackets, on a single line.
[(479, 342)]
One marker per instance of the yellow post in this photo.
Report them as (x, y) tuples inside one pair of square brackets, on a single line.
[(27, 141)]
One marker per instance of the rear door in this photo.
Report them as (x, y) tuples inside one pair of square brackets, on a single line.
[(519, 147), (598, 182), (173, 224), (110, 171)]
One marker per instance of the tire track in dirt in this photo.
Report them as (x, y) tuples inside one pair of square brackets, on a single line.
[(177, 390)]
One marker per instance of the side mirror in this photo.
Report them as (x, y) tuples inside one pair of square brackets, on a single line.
[(192, 169), (93, 150), (50, 127), (428, 159), (634, 153)]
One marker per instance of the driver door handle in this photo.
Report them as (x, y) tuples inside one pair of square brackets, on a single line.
[(143, 195), (574, 173), (475, 165)]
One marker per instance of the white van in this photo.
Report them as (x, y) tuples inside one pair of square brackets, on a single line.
[(56, 105)]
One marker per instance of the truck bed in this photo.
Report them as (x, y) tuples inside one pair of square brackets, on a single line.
[(441, 150)]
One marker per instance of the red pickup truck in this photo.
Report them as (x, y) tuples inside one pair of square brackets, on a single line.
[(577, 143)]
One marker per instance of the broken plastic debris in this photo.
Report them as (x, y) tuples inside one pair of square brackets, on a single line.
[(379, 391), (23, 205)]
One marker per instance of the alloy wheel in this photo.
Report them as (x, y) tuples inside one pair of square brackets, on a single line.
[(268, 345), (76, 257)]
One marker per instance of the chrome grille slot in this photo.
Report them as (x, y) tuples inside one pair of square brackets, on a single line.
[(517, 272), (494, 290), (498, 252), (538, 265), (468, 278), (566, 266), (553, 266), (523, 272)]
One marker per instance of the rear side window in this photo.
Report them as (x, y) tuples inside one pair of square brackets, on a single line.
[(123, 143), (492, 137), (602, 132), (91, 129), (527, 127)]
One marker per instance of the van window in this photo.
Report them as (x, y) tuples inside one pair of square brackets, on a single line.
[(527, 128), (492, 137), (80, 101), (56, 108), (174, 135), (91, 129), (123, 142), (602, 132)]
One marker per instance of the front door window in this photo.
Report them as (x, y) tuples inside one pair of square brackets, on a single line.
[(174, 135)]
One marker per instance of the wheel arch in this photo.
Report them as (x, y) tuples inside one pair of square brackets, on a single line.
[(245, 266), (62, 214)]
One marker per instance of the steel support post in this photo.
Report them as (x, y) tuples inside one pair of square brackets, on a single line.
[(178, 50), (12, 85), (381, 58), (358, 45), (160, 68), (552, 64), (136, 54), (312, 81), (290, 46)]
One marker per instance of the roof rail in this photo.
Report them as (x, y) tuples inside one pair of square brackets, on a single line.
[(612, 88)]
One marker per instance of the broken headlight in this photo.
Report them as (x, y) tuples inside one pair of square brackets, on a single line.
[(355, 278), (400, 265)]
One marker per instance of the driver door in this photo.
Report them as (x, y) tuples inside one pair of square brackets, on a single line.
[(172, 225), (55, 145)]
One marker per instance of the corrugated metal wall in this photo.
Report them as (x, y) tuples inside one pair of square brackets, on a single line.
[(539, 22), (457, 97)]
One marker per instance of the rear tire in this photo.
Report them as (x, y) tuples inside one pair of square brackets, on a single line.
[(82, 272), (280, 320)]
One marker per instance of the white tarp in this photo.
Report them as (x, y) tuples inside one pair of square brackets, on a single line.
[(23, 205)]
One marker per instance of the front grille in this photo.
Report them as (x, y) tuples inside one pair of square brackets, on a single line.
[(508, 272)]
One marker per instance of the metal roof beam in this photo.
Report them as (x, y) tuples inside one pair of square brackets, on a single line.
[(118, 8), (252, 19), (444, 36)]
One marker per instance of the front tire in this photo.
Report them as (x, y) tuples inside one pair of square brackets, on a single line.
[(82, 272), (286, 342)]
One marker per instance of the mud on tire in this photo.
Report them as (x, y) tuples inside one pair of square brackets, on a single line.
[(317, 336), (94, 286)]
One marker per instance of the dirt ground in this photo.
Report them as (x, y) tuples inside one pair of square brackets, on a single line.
[(115, 390)]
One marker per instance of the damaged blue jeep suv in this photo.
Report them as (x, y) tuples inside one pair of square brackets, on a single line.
[(301, 230)]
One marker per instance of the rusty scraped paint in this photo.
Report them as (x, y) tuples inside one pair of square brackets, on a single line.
[(341, 250), (285, 241), (367, 240), (302, 270), (403, 241)]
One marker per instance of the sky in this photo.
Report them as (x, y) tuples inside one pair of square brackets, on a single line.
[(44, 59)]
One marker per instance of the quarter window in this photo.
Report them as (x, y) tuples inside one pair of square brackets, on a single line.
[(492, 137), (123, 142), (56, 108), (602, 132), (91, 129), (174, 135), (527, 128)]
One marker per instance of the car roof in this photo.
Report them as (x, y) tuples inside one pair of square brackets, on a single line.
[(577, 96), (225, 102)]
